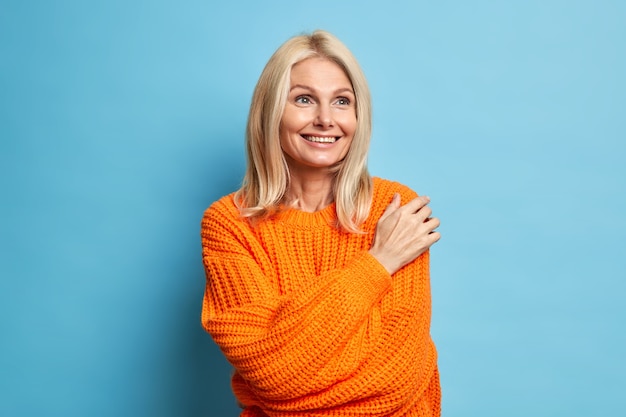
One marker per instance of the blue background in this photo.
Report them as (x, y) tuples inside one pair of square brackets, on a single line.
[(121, 121)]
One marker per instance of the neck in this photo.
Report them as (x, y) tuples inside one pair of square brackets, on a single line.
[(309, 193)]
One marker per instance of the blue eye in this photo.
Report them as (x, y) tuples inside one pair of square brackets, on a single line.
[(342, 101), (303, 100)]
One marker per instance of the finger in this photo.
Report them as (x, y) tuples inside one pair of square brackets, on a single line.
[(432, 238), (417, 203), (396, 200), (431, 224), (435, 236), (393, 204), (424, 213)]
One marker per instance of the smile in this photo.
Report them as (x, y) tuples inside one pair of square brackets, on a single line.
[(320, 139)]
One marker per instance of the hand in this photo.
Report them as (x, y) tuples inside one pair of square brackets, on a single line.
[(404, 233)]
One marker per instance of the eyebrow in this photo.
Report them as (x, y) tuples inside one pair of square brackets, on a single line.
[(341, 90)]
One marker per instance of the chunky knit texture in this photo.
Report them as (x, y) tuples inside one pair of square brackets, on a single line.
[(312, 323)]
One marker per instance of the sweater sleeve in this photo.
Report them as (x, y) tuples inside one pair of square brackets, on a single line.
[(286, 346)]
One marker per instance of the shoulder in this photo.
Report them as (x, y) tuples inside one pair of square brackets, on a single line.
[(385, 189), (224, 207), (222, 215)]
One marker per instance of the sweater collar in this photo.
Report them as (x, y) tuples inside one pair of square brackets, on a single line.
[(324, 217)]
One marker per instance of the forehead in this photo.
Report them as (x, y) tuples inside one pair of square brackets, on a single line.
[(319, 72)]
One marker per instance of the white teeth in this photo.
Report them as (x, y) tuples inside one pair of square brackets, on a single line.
[(320, 139)]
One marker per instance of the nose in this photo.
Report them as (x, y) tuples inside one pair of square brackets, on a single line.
[(324, 117)]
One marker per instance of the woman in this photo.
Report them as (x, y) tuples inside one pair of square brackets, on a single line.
[(317, 274)]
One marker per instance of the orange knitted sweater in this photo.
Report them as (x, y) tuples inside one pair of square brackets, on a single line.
[(311, 322)]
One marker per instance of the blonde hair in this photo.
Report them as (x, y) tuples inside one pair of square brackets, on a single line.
[(267, 175)]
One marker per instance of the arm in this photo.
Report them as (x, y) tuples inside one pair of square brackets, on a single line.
[(281, 345), (351, 338)]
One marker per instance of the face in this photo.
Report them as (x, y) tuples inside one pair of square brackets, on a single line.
[(319, 119)]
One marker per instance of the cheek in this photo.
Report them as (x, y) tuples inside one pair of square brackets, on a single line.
[(349, 125), (283, 137), (285, 127), (292, 120)]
